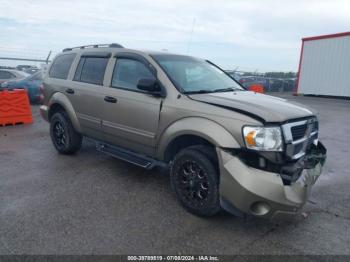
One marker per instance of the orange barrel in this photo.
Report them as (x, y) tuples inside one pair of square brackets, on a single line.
[(256, 88)]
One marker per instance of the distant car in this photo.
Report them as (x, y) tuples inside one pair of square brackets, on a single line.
[(9, 75), (31, 70), (276, 85), (289, 84), (31, 83), (23, 67), (247, 81)]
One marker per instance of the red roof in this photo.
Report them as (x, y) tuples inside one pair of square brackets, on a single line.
[(326, 36)]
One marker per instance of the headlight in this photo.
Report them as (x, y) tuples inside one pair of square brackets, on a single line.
[(263, 138)]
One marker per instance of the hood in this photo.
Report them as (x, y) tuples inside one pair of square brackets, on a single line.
[(259, 106)]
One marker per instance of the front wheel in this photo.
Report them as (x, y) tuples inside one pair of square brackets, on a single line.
[(63, 135), (194, 179)]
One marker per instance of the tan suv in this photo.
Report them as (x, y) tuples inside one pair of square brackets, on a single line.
[(226, 147)]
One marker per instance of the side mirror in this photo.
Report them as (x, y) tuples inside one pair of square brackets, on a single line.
[(149, 84)]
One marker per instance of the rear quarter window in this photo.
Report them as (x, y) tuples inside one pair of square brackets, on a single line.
[(61, 65)]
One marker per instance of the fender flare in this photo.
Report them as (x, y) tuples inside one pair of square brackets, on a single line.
[(202, 127), (62, 100)]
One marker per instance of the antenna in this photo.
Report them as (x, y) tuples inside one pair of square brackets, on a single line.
[(190, 39)]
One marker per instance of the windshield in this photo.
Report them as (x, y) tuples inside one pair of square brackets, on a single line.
[(193, 75), (35, 77)]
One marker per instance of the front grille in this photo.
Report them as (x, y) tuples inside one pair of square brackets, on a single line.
[(298, 136), (297, 148), (298, 132)]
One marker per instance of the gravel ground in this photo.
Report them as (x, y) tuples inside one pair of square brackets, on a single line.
[(91, 203)]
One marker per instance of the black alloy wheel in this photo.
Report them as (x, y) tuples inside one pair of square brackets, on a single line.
[(195, 180)]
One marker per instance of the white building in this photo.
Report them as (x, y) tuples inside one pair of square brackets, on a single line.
[(324, 67)]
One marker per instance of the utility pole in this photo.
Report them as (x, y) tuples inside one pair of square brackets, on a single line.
[(47, 58)]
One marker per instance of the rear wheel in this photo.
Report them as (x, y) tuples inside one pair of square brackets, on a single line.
[(63, 135), (194, 178)]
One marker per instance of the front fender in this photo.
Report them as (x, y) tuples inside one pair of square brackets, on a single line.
[(62, 100), (202, 127)]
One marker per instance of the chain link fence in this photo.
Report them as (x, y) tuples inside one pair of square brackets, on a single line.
[(271, 81)]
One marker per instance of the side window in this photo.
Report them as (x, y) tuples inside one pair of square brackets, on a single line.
[(127, 73), (91, 70), (6, 75), (77, 74), (61, 65)]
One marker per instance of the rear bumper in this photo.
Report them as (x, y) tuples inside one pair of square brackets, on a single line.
[(261, 193), (44, 111)]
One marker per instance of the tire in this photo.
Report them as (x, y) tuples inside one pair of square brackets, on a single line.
[(194, 178), (63, 135), (209, 152)]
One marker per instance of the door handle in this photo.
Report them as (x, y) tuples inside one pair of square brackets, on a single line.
[(70, 91), (110, 99)]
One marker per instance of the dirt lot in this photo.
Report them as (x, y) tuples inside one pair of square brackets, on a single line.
[(91, 203)]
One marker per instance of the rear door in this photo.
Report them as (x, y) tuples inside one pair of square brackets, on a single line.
[(131, 116), (86, 91)]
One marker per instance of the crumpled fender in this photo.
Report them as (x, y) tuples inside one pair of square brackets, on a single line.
[(62, 100), (202, 127)]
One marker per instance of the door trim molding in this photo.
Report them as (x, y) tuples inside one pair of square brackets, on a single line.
[(128, 129)]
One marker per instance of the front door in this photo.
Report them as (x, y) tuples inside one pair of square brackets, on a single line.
[(131, 116)]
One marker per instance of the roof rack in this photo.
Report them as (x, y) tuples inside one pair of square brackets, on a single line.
[(115, 45)]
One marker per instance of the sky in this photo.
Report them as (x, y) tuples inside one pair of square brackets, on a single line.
[(262, 35)]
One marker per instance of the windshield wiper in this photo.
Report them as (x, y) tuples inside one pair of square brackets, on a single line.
[(202, 91), (206, 91), (229, 89)]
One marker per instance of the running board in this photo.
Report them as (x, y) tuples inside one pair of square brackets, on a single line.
[(129, 156)]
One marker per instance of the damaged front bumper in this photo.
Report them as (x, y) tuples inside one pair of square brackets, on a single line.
[(266, 194)]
